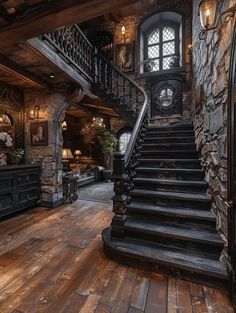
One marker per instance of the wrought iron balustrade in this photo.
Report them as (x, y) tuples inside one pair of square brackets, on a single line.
[(74, 47)]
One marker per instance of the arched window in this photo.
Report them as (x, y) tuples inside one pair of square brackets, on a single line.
[(162, 47), (123, 141), (161, 42)]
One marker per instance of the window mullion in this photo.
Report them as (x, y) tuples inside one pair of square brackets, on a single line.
[(161, 48)]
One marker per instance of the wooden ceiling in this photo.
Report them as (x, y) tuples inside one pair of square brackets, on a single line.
[(24, 19)]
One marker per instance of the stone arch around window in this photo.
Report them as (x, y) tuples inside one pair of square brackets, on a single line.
[(161, 42)]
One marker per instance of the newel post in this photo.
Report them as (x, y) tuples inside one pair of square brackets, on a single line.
[(120, 179)]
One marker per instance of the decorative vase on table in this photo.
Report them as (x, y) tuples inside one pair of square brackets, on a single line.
[(5, 144)]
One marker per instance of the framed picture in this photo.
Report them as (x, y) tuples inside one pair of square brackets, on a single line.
[(125, 57), (39, 133)]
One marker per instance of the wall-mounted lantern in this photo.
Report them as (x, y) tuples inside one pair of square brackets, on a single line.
[(208, 16), (123, 33), (37, 113)]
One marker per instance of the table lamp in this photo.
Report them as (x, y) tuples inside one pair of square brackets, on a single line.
[(66, 157), (77, 155)]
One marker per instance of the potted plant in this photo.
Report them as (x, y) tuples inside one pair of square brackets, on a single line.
[(16, 155), (108, 144), (5, 144)]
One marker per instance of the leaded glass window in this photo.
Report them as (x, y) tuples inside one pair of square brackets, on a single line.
[(162, 46)]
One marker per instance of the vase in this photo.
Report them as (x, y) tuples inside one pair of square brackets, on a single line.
[(3, 157)]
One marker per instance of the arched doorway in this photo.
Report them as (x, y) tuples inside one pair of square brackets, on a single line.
[(231, 150)]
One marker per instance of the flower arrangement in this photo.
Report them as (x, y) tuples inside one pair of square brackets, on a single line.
[(6, 138), (15, 155)]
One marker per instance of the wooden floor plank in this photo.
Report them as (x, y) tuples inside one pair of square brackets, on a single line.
[(53, 261), (157, 295), (172, 296), (184, 303), (140, 292)]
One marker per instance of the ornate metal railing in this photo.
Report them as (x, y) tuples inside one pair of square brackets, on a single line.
[(122, 87), (74, 47), (79, 53)]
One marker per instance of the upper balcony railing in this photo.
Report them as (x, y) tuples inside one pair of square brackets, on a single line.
[(74, 47)]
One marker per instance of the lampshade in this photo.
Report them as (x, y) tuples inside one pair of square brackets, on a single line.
[(67, 154), (64, 125), (207, 10), (77, 152)]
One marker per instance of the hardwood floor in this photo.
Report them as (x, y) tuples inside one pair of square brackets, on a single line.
[(52, 261)]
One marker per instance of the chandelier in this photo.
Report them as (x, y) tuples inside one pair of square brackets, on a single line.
[(98, 123)]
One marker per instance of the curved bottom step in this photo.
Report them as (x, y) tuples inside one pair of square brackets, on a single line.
[(169, 261)]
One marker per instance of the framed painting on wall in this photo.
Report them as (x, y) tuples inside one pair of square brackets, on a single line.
[(125, 57), (39, 133)]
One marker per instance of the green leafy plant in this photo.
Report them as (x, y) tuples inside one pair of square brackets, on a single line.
[(16, 155), (108, 144)]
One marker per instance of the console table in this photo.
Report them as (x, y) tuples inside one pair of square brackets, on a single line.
[(20, 187)]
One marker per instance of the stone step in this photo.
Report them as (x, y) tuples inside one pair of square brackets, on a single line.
[(169, 154), (167, 260), (177, 215), (170, 173), (187, 237), (187, 139), (170, 163), (182, 199), (168, 146), (170, 184)]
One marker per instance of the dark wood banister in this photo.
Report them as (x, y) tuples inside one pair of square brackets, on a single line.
[(141, 114)]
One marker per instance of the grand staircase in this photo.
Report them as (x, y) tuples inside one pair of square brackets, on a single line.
[(162, 212), (169, 226)]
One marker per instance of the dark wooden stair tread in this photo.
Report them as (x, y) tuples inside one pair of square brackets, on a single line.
[(142, 208), (163, 181), (172, 257), (173, 195), (166, 169), (167, 144), (177, 231)]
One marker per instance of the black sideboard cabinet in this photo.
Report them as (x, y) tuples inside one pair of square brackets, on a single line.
[(20, 187)]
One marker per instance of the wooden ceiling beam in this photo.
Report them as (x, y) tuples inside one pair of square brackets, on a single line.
[(56, 14), (15, 70)]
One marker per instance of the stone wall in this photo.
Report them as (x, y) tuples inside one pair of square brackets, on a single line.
[(48, 156), (209, 107)]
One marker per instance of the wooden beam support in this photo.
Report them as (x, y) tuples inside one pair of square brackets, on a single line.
[(56, 14), (15, 70)]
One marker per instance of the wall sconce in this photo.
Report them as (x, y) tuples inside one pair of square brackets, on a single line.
[(123, 32), (64, 125), (207, 12), (37, 113)]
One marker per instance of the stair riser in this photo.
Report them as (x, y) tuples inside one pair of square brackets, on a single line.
[(169, 155), (157, 147), (151, 134), (171, 202), (171, 175), (170, 187), (177, 219), (169, 140), (174, 271), (170, 164), (184, 243)]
